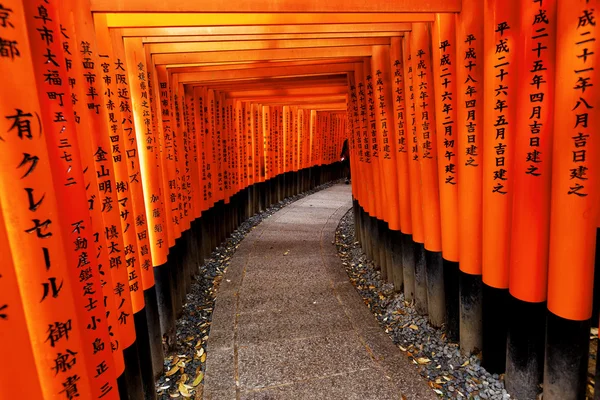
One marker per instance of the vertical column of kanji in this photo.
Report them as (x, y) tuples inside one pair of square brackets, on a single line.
[(378, 193), (226, 142), (15, 342), (190, 147), (387, 150), (313, 140), (531, 200), (404, 241), (444, 79), (91, 117), (218, 156), (236, 111), (58, 121), (500, 63), (249, 144), (276, 129), (413, 268), (193, 184), (364, 153), (247, 110), (294, 149), (469, 40), (176, 179), (34, 263), (202, 115), (285, 150), (354, 131), (426, 140), (295, 141), (163, 106), (306, 148), (575, 200), (266, 126), (210, 164), (233, 146), (157, 127), (193, 123), (356, 153), (301, 142), (240, 147), (259, 148), (159, 111), (188, 262), (280, 152), (243, 149), (200, 139), (182, 140), (387, 156)]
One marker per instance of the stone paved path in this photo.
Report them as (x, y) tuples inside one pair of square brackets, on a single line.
[(289, 325)]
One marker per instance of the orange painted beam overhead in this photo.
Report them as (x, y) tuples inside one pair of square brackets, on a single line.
[(130, 20), (282, 36), (181, 68), (371, 6), (262, 55), (295, 100), (165, 48), (264, 29), (264, 72)]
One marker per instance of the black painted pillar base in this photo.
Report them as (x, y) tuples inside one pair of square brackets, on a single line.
[(164, 298), (436, 298), (142, 339), (525, 348), (408, 266), (395, 239), (382, 229), (177, 285), (133, 373), (470, 289), (494, 328), (186, 262), (154, 333), (420, 278), (374, 233), (122, 387), (566, 363), (367, 234), (452, 303)]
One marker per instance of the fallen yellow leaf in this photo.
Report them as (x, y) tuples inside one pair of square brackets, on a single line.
[(203, 358), (183, 390), (172, 371), (198, 379), (423, 360)]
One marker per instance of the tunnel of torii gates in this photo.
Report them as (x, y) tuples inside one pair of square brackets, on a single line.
[(136, 135)]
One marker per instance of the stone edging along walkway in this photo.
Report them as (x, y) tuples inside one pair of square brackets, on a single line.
[(288, 324)]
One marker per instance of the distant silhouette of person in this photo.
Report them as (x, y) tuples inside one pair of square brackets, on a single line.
[(345, 159)]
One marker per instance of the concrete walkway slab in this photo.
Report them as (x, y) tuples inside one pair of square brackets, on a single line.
[(288, 324)]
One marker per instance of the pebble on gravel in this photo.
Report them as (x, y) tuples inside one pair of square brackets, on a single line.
[(450, 374), (184, 366)]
